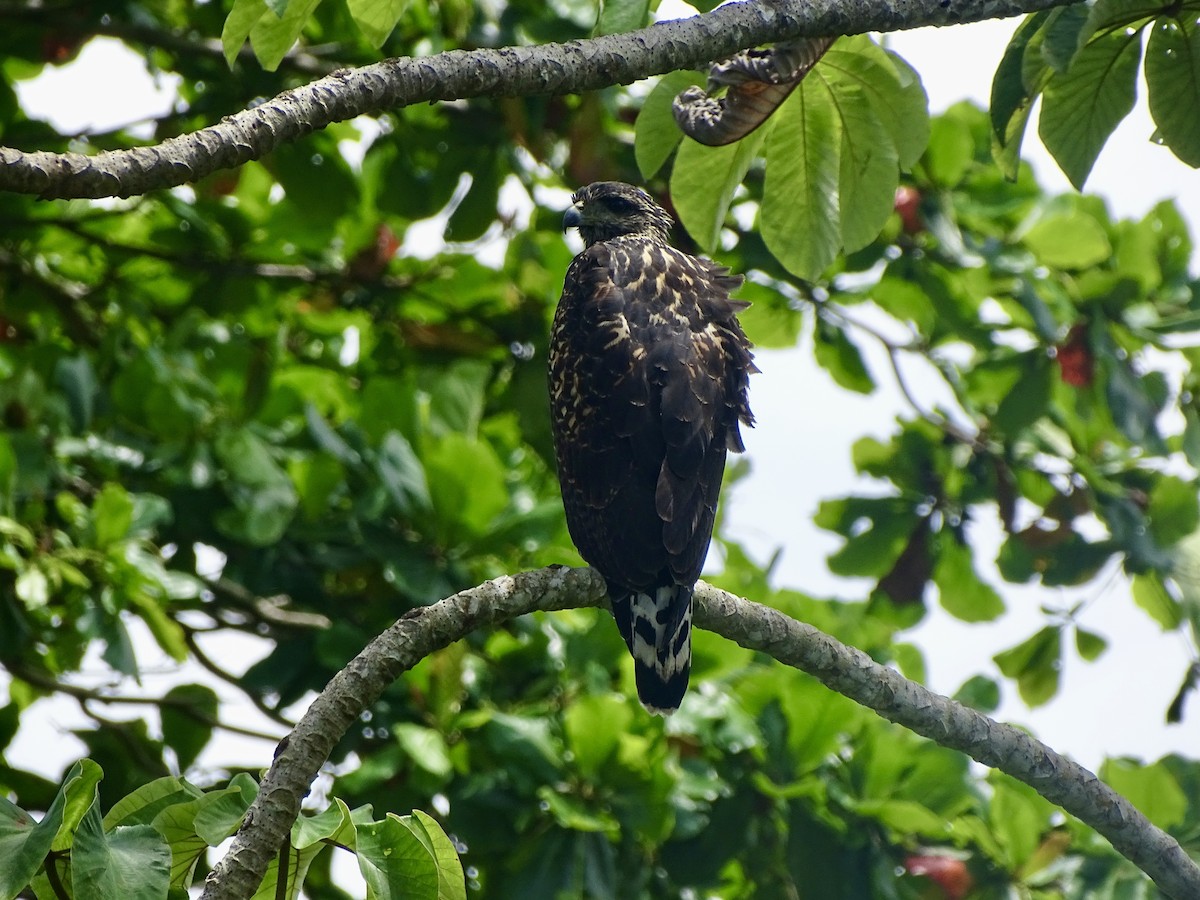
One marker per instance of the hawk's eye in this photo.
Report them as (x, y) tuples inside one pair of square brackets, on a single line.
[(622, 206)]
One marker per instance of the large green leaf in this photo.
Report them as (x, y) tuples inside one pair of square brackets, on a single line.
[(1151, 788), (801, 218), (869, 168), (1070, 240), (890, 86), (395, 863), (376, 18), (24, 843), (273, 37), (1173, 84), (1015, 86), (131, 862), (238, 24), (703, 182), (452, 883), (190, 827), (655, 134), (1083, 105), (619, 16)]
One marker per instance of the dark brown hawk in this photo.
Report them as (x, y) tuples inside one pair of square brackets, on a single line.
[(648, 382)]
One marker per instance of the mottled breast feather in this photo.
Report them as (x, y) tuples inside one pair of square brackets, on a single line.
[(648, 387), (649, 372)]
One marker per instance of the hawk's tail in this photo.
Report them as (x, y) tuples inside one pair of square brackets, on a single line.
[(657, 627)]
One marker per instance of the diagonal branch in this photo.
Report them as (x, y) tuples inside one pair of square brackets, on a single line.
[(458, 74), (752, 625)]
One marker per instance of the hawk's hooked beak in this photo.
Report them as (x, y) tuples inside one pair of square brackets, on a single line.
[(572, 217)]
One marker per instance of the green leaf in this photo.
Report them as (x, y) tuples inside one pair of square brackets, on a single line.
[(1064, 36), (905, 817), (950, 152), (979, 692), (273, 37), (1070, 240), (800, 214), (452, 882), (402, 475), (395, 863), (1173, 84), (334, 824), (219, 814), (112, 515), (704, 180), (1019, 817), (376, 18), (24, 844), (177, 822), (594, 724), (840, 357), (1083, 106), (425, 747), (143, 805), (310, 837), (1089, 644), (1035, 664), (80, 790), (78, 382), (655, 134), (1019, 409), (1151, 595), (132, 862), (869, 168), (770, 322), (910, 106), (1151, 788), (1013, 93), (962, 592), (188, 734), (466, 484), (1133, 410), (238, 24), (456, 397), (873, 552), (264, 499), (1174, 510), (619, 16), (1103, 15)]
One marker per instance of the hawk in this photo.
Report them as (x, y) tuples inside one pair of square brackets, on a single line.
[(649, 372)]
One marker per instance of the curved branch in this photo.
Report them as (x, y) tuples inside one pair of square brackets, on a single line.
[(457, 74), (844, 669)]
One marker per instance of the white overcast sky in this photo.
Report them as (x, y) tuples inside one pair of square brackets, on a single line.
[(800, 449)]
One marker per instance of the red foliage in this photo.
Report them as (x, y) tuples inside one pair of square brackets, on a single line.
[(908, 206), (1075, 358), (947, 872)]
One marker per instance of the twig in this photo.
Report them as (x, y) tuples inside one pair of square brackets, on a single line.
[(86, 696)]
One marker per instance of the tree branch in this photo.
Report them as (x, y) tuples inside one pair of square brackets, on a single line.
[(510, 71), (757, 627)]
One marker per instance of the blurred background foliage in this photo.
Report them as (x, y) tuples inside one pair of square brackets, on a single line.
[(296, 399)]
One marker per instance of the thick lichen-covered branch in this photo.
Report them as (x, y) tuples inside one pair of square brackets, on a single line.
[(842, 668), (509, 71)]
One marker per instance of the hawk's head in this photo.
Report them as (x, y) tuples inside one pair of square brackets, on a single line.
[(609, 209)]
